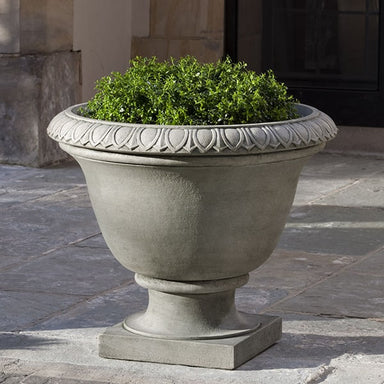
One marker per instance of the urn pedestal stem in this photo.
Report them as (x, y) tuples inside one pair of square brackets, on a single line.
[(191, 310)]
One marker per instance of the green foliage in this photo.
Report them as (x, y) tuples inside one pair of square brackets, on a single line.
[(184, 92)]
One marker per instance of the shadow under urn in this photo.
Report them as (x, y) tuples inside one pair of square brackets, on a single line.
[(191, 210)]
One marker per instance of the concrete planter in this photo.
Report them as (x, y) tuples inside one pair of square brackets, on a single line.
[(192, 210)]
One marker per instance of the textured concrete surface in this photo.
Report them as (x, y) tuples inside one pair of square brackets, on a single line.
[(10, 26), (175, 29), (36, 26), (33, 89), (224, 353), (60, 288)]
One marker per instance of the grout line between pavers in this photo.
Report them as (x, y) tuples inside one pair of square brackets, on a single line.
[(368, 274), (50, 292), (331, 275), (49, 251), (326, 195), (344, 187), (72, 243), (342, 269), (73, 306), (75, 187), (331, 315), (326, 315)]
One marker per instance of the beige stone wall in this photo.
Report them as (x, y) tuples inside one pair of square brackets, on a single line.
[(109, 33), (102, 32), (46, 25), (180, 27), (40, 76), (36, 26), (9, 26)]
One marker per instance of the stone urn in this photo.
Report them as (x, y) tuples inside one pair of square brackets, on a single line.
[(191, 210)]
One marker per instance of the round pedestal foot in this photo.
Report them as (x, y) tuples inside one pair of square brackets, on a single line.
[(191, 310)]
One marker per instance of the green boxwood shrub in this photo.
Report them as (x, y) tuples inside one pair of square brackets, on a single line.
[(186, 92)]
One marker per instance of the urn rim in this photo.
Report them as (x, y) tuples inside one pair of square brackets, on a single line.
[(313, 127)]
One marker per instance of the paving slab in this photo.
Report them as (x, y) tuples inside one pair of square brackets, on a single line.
[(327, 174), (31, 229), (70, 270), (293, 271), (23, 309), (101, 311), (313, 189), (332, 229), (367, 192), (346, 294), (20, 184), (15, 173), (372, 265), (341, 167)]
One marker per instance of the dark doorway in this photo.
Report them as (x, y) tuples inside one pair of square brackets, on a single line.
[(328, 52)]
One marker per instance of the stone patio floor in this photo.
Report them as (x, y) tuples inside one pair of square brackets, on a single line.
[(60, 287)]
